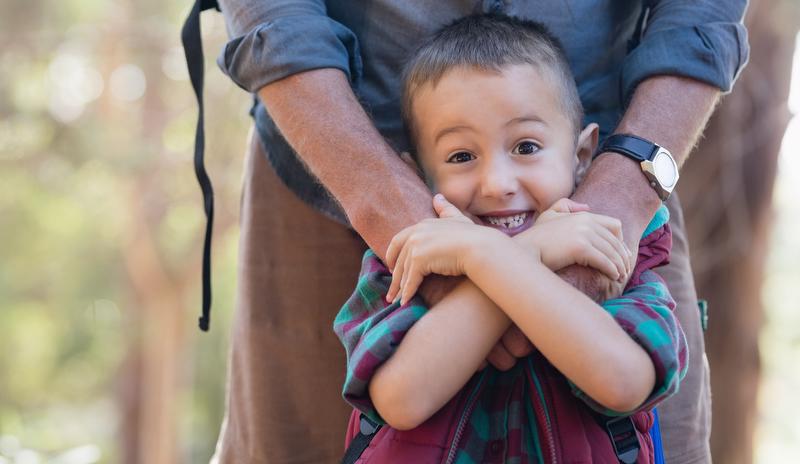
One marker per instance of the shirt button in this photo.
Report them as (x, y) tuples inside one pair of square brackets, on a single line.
[(496, 447), (494, 6)]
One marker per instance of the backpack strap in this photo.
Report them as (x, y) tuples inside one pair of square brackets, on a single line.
[(366, 431), (193, 50), (655, 434), (623, 437)]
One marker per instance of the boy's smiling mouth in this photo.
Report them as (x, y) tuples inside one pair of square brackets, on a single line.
[(510, 222)]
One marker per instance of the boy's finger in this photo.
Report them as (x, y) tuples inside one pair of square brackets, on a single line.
[(393, 286), (612, 224), (397, 276), (632, 258), (395, 246), (565, 205), (412, 284), (445, 209), (610, 247), (598, 260), (406, 268), (618, 250)]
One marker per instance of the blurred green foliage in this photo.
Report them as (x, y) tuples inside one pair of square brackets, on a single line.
[(96, 137)]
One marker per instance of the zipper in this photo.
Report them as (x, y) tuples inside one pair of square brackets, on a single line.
[(462, 422), (540, 406)]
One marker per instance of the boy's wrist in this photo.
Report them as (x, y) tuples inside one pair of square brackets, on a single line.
[(491, 247), (530, 242)]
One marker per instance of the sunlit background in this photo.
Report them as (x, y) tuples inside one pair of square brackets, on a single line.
[(778, 433), (101, 230)]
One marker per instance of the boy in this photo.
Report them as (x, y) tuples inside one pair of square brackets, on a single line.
[(492, 108)]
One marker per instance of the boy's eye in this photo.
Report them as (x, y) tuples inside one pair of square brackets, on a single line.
[(526, 148), (460, 157)]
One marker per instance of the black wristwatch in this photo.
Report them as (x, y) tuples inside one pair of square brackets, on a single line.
[(657, 162)]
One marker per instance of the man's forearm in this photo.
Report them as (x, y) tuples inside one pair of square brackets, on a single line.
[(670, 111), (322, 120)]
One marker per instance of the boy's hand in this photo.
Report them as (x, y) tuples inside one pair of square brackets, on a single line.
[(558, 238), (568, 234), (432, 246)]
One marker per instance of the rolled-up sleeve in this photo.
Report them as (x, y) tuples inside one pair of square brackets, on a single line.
[(275, 39), (645, 312), (703, 40), (371, 330)]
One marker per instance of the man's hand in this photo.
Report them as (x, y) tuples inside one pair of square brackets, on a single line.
[(512, 346)]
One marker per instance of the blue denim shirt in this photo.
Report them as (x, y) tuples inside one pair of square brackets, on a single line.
[(370, 40)]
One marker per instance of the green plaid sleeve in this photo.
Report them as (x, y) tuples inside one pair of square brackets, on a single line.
[(645, 312), (371, 330)]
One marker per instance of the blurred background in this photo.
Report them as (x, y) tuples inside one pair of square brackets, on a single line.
[(101, 232)]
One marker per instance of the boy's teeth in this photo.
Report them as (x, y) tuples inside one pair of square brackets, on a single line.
[(508, 222)]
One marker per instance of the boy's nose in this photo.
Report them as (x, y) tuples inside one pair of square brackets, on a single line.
[(499, 180)]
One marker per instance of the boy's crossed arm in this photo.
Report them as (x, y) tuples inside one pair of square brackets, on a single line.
[(441, 351)]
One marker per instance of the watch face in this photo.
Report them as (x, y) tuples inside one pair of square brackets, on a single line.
[(665, 169)]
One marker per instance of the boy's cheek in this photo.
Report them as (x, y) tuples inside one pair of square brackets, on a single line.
[(457, 191)]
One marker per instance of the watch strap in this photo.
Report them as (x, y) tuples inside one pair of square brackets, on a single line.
[(629, 145)]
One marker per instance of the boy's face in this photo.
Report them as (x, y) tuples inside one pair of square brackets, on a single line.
[(498, 145)]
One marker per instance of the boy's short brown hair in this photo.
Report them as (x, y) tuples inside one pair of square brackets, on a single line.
[(489, 42)]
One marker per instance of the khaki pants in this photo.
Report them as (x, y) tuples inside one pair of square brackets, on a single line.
[(286, 370)]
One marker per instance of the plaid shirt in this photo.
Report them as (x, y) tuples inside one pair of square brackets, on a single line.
[(508, 419)]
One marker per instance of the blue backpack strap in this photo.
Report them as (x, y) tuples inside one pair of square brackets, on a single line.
[(193, 49), (655, 434)]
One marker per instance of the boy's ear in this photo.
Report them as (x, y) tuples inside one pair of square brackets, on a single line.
[(586, 146)]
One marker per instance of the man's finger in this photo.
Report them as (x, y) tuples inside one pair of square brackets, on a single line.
[(500, 358), (516, 343)]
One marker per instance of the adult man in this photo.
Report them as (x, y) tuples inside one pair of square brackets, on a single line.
[(313, 66)]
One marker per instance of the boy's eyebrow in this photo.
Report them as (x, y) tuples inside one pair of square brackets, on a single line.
[(526, 118), (450, 130), (459, 128)]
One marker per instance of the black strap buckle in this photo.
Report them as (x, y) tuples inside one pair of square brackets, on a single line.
[(366, 431), (623, 438)]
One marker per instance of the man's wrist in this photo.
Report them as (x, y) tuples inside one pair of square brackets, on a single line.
[(615, 186)]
